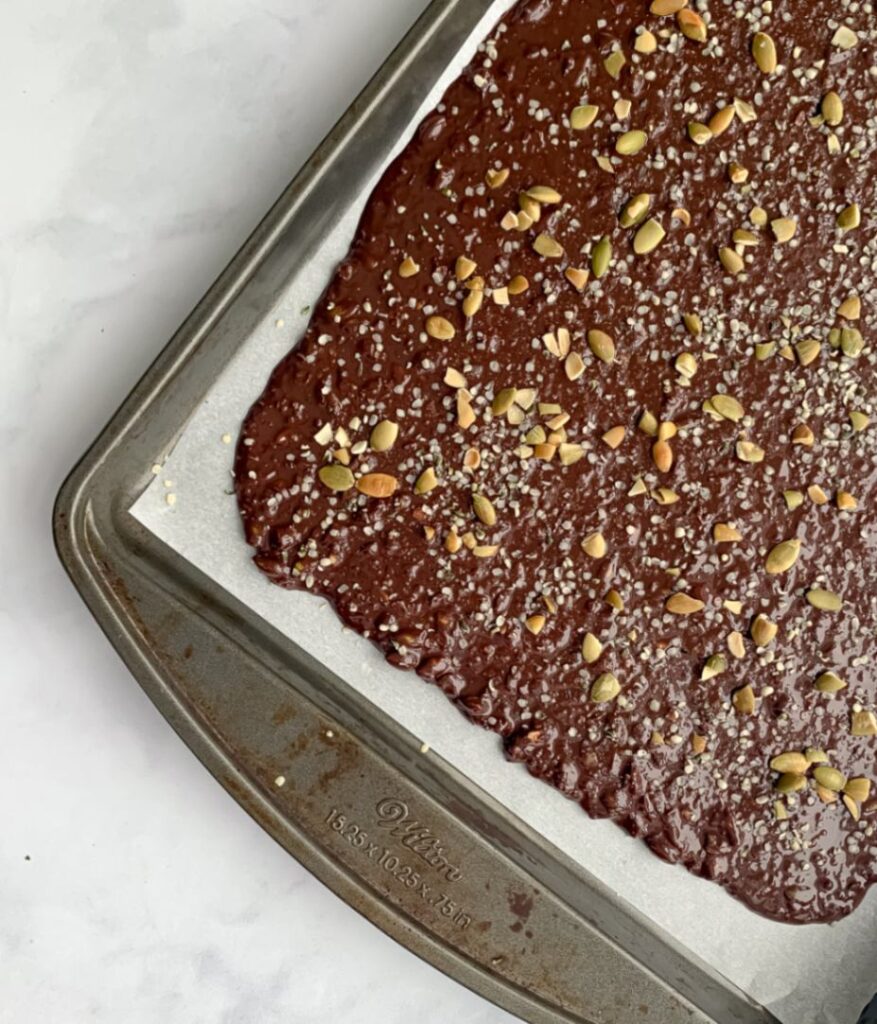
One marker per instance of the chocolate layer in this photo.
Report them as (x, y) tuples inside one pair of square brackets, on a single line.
[(573, 457)]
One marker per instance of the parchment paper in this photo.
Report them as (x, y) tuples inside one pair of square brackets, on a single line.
[(816, 974)]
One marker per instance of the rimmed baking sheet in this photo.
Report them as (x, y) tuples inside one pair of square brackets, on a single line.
[(807, 974)]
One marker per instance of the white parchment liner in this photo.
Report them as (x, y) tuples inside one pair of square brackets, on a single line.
[(816, 974)]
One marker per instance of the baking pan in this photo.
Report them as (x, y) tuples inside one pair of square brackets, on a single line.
[(405, 839)]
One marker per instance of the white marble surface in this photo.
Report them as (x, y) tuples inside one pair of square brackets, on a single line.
[(140, 144)]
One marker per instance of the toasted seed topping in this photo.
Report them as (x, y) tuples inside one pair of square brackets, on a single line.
[(614, 436), (605, 688), (692, 26), (483, 508), (830, 778), (535, 623), (583, 117), (667, 7), (684, 604), (577, 277), (864, 723), (595, 545), (791, 782), (503, 401), (849, 218), (336, 477), (749, 451), (832, 108), (592, 648), (763, 631), (439, 328), (721, 120), (699, 133), (635, 210), (384, 435), (648, 238), (784, 228), (614, 63), (824, 600), (765, 53), (714, 666), (496, 179), (645, 42), (830, 682), (408, 268), (744, 700), (858, 789), (546, 246), (783, 557), (630, 143), (844, 38), (601, 257), (725, 533), (602, 345), (792, 761), (730, 260), (377, 485)]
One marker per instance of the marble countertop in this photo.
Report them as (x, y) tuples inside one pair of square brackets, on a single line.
[(142, 142)]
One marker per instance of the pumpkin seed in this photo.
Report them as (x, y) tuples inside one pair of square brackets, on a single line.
[(816, 494), (830, 682), (763, 631), (830, 778), (518, 285), (614, 63), (485, 550), (738, 173), (377, 485), (483, 508), (464, 268), (803, 435), (439, 328), (583, 117), (784, 228), (408, 268), (816, 756), (844, 38), (851, 342), (426, 482), (635, 210), (765, 53), (503, 401), (745, 110), (794, 499), (544, 194), (699, 133), (592, 648), (384, 435), (574, 366), (849, 218), (727, 408), (749, 451), (685, 365), (807, 350), (614, 436), (645, 42), (863, 723), (852, 807), (846, 502), (601, 257), (744, 700), (662, 456), (615, 600), (824, 600), (665, 7), (730, 260), (850, 308), (602, 345), (570, 453), (859, 421), (792, 761), (721, 120), (577, 277), (453, 542), (832, 108), (764, 350), (692, 26), (595, 545), (714, 666), (336, 477), (605, 689), (548, 247), (742, 236), (648, 423), (783, 557), (693, 324), (496, 179), (473, 302), (858, 789), (724, 533), (791, 782), (648, 238), (631, 142), (684, 604), (736, 644), (535, 623)]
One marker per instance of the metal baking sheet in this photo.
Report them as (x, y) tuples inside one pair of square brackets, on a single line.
[(165, 601)]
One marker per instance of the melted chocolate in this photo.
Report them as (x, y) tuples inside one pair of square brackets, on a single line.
[(681, 761)]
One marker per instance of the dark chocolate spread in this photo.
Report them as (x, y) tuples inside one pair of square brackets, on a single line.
[(581, 430)]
